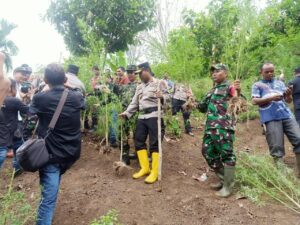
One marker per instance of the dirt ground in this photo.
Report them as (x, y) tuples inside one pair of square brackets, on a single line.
[(91, 188)]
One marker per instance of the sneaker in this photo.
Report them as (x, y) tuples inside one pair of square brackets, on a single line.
[(191, 134)]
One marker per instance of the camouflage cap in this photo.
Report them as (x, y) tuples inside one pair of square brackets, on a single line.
[(142, 67), (131, 68), (219, 66)]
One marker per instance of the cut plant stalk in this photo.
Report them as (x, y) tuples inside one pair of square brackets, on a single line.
[(106, 148), (120, 167), (159, 145)]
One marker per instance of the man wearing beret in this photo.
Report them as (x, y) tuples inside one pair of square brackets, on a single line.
[(145, 101)]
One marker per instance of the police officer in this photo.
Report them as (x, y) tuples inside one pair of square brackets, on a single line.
[(145, 101), (180, 97), (72, 79)]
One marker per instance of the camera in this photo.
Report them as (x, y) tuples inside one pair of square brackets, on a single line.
[(25, 87)]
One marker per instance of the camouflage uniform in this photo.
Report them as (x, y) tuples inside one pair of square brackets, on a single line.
[(126, 93), (218, 138)]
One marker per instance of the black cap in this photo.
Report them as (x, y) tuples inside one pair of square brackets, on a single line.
[(142, 67), (131, 68), (73, 69), (24, 69), (297, 70)]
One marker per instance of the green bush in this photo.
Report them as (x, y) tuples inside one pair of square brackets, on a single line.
[(111, 218)]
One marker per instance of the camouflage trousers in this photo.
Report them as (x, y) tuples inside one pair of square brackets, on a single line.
[(217, 148), (128, 125)]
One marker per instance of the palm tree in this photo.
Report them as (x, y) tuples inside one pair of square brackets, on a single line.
[(7, 46)]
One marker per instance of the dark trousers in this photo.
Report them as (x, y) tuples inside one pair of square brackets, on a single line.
[(177, 107), (275, 131), (297, 115), (147, 127)]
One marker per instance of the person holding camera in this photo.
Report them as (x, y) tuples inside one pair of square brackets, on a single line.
[(10, 109), (21, 75)]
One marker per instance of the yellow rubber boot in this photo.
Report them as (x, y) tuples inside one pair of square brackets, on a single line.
[(144, 164), (154, 171)]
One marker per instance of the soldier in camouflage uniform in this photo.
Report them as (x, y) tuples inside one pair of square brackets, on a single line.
[(95, 82), (126, 93), (218, 138), (145, 101)]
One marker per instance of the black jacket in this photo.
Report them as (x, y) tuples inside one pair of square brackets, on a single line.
[(10, 109), (64, 141), (296, 92)]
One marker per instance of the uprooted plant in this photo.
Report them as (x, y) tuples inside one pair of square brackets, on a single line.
[(259, 177)]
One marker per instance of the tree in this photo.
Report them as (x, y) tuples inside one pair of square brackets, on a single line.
[(115, 22), (6, 45)]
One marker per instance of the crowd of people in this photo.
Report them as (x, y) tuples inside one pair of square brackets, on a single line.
[(28, 103)]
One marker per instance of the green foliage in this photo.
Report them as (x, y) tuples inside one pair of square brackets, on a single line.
[(6, 45), (114, 22), (111, 218), (14, 207), (259, 178), (183, 57), (117, 59), (237, 33), (173, 125), (109, 105)]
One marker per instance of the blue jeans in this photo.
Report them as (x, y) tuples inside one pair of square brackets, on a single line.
[(113, 127), (3, 152), (49, 180)]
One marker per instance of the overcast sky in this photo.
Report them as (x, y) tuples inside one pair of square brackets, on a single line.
[(38, 41)]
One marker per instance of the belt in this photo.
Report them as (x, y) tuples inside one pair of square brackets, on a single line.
[(149, 110)]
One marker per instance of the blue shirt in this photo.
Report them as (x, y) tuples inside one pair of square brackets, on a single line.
[(276, 110)]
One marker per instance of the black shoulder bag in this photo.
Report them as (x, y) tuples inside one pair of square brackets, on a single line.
[(32, 155)]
